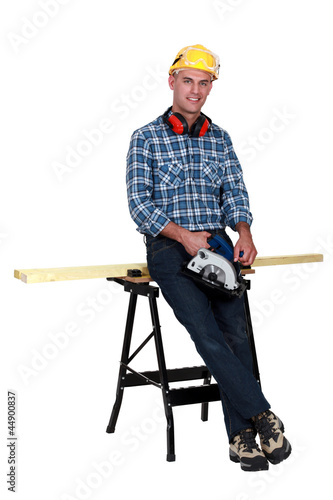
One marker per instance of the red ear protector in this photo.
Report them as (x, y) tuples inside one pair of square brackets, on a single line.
[(178, 124)]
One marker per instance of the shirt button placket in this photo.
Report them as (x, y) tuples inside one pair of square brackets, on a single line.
[(190, 155)]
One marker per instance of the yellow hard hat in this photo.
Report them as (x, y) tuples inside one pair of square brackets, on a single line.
[(196, 57)]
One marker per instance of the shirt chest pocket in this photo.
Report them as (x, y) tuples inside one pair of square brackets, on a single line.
[(171, 173), (212, 171)]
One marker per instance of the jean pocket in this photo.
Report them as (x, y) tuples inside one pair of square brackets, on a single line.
[(159, 244)]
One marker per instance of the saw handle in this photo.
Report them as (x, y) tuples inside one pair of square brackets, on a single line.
[(220, 246)]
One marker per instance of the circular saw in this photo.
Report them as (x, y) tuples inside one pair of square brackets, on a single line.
[(215, 270)]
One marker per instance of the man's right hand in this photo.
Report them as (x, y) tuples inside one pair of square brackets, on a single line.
[(191, 241)]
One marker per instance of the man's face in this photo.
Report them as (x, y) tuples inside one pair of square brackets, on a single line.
[(191, 88)]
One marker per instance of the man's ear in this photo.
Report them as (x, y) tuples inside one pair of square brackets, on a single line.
[(171, 81)]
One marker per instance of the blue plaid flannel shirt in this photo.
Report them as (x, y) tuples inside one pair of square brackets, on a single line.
[(195, 182)]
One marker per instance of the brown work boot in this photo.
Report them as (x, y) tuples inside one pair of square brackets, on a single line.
[(273, 443), (244, 449)]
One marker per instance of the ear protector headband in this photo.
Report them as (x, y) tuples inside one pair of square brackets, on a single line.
[(179, 125)]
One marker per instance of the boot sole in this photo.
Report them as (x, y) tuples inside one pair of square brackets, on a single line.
[(257, 464)]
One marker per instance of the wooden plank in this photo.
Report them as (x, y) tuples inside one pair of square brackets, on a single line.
[(120, 270), (247, 271), (76, 273), (142, 279), (288, 259)]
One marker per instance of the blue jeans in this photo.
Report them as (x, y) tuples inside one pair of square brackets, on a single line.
[(216, 324)]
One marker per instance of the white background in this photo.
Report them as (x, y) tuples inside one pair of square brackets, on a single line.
[(66, 68)]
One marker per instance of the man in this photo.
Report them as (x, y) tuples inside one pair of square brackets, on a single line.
[(185, 184)]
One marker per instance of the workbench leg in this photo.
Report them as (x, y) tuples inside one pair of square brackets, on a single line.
[(124, 361), (171, 457), (204, 406), (249, 331)]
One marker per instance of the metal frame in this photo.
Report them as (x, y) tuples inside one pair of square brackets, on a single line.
[(128, 377)]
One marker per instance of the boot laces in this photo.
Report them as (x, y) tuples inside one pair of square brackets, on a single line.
[(247, 441), (266, 427)]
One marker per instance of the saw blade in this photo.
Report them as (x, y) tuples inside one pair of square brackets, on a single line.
[(213, 274)]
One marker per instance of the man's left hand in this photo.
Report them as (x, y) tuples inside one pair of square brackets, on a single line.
[(244, 244)]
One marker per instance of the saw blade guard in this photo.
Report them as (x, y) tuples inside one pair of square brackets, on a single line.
[(214, 268)]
